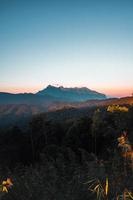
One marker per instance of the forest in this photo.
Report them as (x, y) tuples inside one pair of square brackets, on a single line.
[(69, 154)]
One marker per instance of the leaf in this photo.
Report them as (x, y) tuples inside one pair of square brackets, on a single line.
[(106, 186), (130, 194), (4, 189)]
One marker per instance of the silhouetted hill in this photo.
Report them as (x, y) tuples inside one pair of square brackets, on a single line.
[(24, 98), (71, 94), (18, 114)]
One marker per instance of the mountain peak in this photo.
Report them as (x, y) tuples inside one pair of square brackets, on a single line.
[(49, 86)]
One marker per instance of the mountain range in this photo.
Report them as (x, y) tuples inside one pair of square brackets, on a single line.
[(51, 94)]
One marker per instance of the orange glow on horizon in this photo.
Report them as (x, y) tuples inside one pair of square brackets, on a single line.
[(112, 92), (117, 92), (16, 90)]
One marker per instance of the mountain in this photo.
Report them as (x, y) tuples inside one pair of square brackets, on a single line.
[(71, 94)]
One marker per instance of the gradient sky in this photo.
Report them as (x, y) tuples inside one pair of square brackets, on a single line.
[(66, 42)]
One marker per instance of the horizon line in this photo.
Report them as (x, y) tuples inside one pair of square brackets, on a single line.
[(110, 92)]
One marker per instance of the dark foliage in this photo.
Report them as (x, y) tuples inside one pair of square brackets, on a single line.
[(54, 156)]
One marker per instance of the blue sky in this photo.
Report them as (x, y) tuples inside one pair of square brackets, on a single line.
[(70, 43)]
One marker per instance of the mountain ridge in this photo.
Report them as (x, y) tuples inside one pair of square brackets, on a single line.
[(51, 94)]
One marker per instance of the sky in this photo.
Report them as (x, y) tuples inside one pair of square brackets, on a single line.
[(73, 43)]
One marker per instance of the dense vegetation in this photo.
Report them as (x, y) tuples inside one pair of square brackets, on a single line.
[(56, 154)]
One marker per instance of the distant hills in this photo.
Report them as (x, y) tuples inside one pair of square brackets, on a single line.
[(51, 94), (18, 114), (18, 108), (26, 98), (92, 103)]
